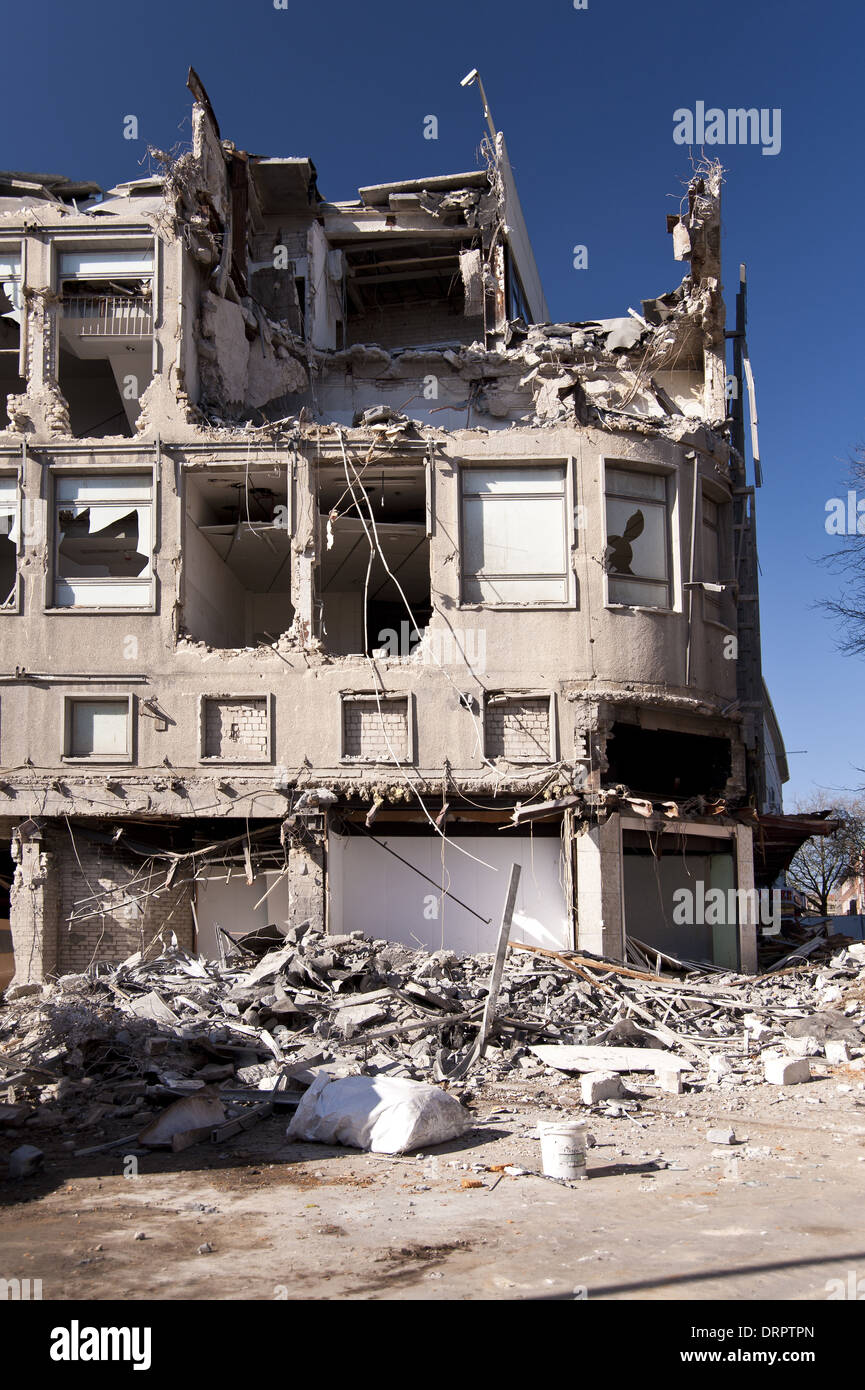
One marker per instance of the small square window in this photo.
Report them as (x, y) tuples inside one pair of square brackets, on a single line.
[(99, 729)]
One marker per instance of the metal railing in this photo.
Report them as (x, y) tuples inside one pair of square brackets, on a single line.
[(108, 316)]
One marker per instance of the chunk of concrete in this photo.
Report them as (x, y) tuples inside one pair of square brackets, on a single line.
[(721, 1136), (837, 1052), (786, 1071), (670, 1081), (25, 1160), (600, 1085), (807, 1046)]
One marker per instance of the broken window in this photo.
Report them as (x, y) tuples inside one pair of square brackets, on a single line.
[(106, 333), (237, 575), (516, 535), (103, 541), (99, 729), (11, 383), (9, 539), (365, 612), (666, 762), (637, 555)]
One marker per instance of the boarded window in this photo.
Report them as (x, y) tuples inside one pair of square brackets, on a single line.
[(8, 541), (517, 727), (375, 730), (637, 554), (103, 541), (98, 729), (236, 729), (515, 535)]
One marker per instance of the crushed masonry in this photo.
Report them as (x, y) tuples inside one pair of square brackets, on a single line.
[(174, 1050)]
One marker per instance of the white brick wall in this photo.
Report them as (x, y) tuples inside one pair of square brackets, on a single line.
[(519, 729), (236, 729), (368, 728)]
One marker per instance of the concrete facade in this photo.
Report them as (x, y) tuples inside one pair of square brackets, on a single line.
[(318, 528)]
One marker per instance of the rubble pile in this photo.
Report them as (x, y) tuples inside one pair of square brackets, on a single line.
[(90, 1054)]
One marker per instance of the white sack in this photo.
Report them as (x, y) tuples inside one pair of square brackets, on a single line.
[(385, 1114)]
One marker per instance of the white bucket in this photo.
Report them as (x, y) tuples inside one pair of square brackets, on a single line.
[(563, 1148)]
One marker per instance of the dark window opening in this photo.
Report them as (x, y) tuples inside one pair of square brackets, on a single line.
[(106, 334), (408, 292), (11, 384), (351, 603), (660, 762), (7, 958)]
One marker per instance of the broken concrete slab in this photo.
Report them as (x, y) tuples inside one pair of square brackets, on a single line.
[(622, 1059)]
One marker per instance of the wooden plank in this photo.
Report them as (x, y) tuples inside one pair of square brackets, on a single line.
[(499, 962)]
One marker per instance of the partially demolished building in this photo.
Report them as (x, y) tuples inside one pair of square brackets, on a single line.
[(336, 578)]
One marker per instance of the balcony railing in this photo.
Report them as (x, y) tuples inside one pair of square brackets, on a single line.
[(108, 316)]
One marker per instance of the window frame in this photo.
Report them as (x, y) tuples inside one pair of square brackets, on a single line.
[(211, 759), (13, 608), (148, 497), (571, 536), (372, 697), (667, 476), (113, 759), (492, 696), (718, 609)]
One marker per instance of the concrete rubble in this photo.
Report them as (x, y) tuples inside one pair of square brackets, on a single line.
[(174, 1049)]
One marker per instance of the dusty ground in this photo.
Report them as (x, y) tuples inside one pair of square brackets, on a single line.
[(774, 1217)]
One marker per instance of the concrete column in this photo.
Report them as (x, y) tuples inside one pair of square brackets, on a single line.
[(306, 885), (32, 909), (745, 879), (600, 924)]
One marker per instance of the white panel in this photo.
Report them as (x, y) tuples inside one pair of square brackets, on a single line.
[(100, 727), (102, 487), (533, 478), (373, 892), (8, 493), (10, 266), (99, 265), (514, 537), (515, 590), (102, 593)]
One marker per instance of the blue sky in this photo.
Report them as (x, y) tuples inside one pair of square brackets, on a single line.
[(586, 101)]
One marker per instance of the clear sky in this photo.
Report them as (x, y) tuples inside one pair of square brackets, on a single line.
[(586, 100)]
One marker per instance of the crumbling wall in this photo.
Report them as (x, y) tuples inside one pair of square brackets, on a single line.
[(106, 906)]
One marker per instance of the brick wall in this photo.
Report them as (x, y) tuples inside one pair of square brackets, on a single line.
[(368, 727), (519, 729), (122, 921), (236, 729)]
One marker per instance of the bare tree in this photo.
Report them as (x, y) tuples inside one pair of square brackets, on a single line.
[(825, 862)]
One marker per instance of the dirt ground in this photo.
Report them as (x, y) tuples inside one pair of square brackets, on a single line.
[(664, 1213)]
